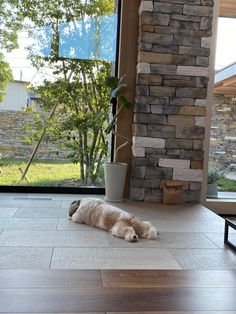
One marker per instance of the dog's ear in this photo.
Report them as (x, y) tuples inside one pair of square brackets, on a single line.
[(73, 207)]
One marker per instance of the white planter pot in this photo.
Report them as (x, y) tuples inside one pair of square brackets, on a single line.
[(212, 191), (115, 176)]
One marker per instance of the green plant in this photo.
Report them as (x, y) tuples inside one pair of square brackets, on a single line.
[(227, 185), (41, 173), (117, 87), (215, 174)]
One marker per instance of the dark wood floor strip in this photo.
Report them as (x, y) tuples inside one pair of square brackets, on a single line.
[(124, 292), (156, 312), (47, 279), (116, 300), (168, 278), (177, 312)]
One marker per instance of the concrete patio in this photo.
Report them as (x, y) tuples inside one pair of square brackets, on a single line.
[(35, 233)]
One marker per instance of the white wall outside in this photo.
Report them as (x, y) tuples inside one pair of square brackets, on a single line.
[(16, 96)]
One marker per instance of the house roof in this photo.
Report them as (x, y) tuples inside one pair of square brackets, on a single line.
[(225, 80), (23, 82)]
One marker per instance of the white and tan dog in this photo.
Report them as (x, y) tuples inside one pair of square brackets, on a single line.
[(97, 213)]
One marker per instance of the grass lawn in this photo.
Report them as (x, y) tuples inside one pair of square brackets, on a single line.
[(226, 185), (40, 173)]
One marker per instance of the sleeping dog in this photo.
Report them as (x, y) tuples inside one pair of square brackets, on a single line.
[(97, 213)]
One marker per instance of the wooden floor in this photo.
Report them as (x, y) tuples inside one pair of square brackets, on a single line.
[(118, 291)]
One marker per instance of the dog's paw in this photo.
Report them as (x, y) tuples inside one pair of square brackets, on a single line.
[(152, 234), (132, 237), (75, 217)]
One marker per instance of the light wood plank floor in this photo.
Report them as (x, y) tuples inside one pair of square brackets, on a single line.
[(118, 291)]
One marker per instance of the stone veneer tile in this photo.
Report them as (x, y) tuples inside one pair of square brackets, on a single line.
[(194, 175), (192, 70), (192, 111), (181, 120), (194, 51), (206, 23), (186, 132), (179, 143), (200, 102), (197, 164), (206, 42), (191, 92), (200, 121), (139, 141), (161, 39), (143, 67), (136, 194), (162, 91), (174, 163), (197, 10), (138, 151), (163, 69), (153, 57), (168, 8), (146, 6)]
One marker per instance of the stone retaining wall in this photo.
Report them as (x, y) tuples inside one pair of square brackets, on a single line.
[(170, 109), (13, 143), (223, 135)]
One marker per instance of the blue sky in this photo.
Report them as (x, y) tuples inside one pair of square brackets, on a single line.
[(226, 42), (225, 53)]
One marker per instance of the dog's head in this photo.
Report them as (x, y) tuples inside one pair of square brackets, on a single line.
[(73, 207)]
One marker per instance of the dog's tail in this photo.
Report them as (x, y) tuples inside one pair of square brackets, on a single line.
[(73, 208)]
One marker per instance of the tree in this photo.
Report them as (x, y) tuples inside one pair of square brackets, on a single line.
[(5, 76), (77, 93), (10, 23)]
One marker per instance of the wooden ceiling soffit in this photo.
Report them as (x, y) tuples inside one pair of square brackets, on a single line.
[(225, 90), (229, 81), (228, 8), (227, 86)]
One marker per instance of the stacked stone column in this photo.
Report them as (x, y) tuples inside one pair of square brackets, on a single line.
[(170, 108)]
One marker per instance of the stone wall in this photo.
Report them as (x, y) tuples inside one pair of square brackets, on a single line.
[(170, 108), (12, 138), (223, 136)]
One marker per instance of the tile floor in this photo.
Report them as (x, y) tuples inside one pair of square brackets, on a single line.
[(36, 234)]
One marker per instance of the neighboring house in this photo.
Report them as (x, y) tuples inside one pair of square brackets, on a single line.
[(16, 96), (32, 101), (223, 138), (225, 80)]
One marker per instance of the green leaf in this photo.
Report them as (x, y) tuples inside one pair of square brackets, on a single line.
[(112, 82), (124, 102), (117, 91)]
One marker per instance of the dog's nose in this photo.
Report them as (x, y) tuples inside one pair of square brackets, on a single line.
[(134, 238)]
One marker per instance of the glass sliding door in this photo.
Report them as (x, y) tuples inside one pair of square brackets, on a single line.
[(54, 106), (222, 157)]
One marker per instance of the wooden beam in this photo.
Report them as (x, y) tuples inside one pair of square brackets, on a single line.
[(127, 66)]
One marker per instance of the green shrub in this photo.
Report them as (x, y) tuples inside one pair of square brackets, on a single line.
[(215, 174)]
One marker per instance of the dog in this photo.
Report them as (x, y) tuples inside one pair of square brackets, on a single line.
[(97, 213)]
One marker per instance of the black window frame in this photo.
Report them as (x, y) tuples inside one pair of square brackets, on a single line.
[(73, 190)]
